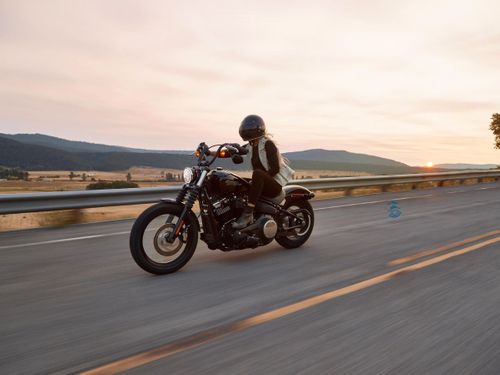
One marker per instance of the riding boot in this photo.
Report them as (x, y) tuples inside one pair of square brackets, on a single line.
[(245, 219)]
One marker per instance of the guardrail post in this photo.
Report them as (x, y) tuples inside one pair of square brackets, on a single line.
[(348, 191), (385, 188)]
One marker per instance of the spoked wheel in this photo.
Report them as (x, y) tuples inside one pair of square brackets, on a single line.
[(296, 232), (148, 239)]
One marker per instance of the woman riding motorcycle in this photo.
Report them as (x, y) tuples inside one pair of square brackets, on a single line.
[(270, 170)]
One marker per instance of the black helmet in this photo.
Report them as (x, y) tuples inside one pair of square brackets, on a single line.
[(252, 127)]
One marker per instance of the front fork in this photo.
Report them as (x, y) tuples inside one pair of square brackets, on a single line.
[(189, 194)]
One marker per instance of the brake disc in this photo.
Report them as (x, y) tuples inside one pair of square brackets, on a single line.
[(162, 246)]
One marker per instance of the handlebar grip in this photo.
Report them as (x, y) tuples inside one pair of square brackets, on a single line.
[(241, 149), (233, 148)]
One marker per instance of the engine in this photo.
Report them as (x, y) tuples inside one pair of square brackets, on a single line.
[(265, 227), (260, 233), (228, 208), (227, 192)]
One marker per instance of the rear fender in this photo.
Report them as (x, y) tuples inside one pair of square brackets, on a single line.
[(295, 193)]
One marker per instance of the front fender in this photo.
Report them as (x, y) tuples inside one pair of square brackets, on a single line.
[(297, 192)]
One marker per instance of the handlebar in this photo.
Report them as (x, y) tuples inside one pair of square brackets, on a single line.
[(203, 151)]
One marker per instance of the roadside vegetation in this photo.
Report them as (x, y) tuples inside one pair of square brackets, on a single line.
[(13, 174)]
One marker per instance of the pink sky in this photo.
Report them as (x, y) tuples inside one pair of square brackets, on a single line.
[(415, 81)]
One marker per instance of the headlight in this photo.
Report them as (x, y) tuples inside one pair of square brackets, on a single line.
[(188, 175)]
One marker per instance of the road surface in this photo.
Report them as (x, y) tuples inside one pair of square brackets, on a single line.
[(368, 294)]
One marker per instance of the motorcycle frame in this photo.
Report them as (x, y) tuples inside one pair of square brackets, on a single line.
[(195, 190)]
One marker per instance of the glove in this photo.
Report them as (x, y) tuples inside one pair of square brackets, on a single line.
[(241, 149)]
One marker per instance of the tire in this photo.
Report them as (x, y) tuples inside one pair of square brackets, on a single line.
[(188, 239), (289, 242)]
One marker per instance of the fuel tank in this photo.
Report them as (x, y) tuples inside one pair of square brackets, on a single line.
[(223, 183)]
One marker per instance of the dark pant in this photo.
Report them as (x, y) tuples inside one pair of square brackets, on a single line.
[(262, 185)]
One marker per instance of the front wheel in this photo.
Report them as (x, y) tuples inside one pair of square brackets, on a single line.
[(299, 234), (148, 244)]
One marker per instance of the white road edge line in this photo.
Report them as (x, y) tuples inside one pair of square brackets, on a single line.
[(372, 202), (64, 240)]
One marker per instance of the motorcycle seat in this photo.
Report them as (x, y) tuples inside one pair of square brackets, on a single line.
[(277, 199)]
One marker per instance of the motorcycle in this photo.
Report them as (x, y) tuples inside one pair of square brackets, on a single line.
[(164, 237)]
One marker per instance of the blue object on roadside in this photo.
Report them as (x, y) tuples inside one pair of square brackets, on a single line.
[(394, 210)]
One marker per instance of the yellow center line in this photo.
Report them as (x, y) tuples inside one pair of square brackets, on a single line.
[(209, 335), (425, 253)]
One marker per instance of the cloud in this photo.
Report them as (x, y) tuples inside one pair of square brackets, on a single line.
[(402, 79)]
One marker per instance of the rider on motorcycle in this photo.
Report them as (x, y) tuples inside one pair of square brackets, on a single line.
[(270, 170)]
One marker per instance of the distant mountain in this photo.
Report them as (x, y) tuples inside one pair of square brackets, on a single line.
[(466, 166), (78, 146), (352, 167), (68, 155), (341, 156), (34, 157)]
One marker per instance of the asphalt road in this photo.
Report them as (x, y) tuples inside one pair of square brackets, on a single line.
[(72, 299)]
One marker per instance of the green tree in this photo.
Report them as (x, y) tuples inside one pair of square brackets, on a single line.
[(71, 175), (12, 173), (495, 128), (129, 177), (84, 177)]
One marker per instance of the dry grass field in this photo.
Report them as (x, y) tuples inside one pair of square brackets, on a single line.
[(60, 180), (44, 181)]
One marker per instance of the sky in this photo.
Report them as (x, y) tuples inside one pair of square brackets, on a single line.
[(414, 81)]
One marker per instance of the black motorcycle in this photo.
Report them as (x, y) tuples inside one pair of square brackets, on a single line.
[(164, 236)]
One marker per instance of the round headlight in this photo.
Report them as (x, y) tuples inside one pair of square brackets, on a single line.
[(188, 175)]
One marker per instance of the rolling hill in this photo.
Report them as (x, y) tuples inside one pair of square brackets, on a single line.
[(78, 146), (37, 152), (341, 156), (34, 157)]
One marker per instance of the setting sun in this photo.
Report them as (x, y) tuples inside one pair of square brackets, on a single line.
[(430, 164)]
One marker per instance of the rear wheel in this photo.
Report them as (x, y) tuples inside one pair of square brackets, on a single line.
[(148, 244), (292, 234)]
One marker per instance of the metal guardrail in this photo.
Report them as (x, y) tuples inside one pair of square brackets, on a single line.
[(53, 201), (355, 182)]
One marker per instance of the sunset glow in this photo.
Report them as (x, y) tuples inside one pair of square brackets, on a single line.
[(430, 164), (371, 77)]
